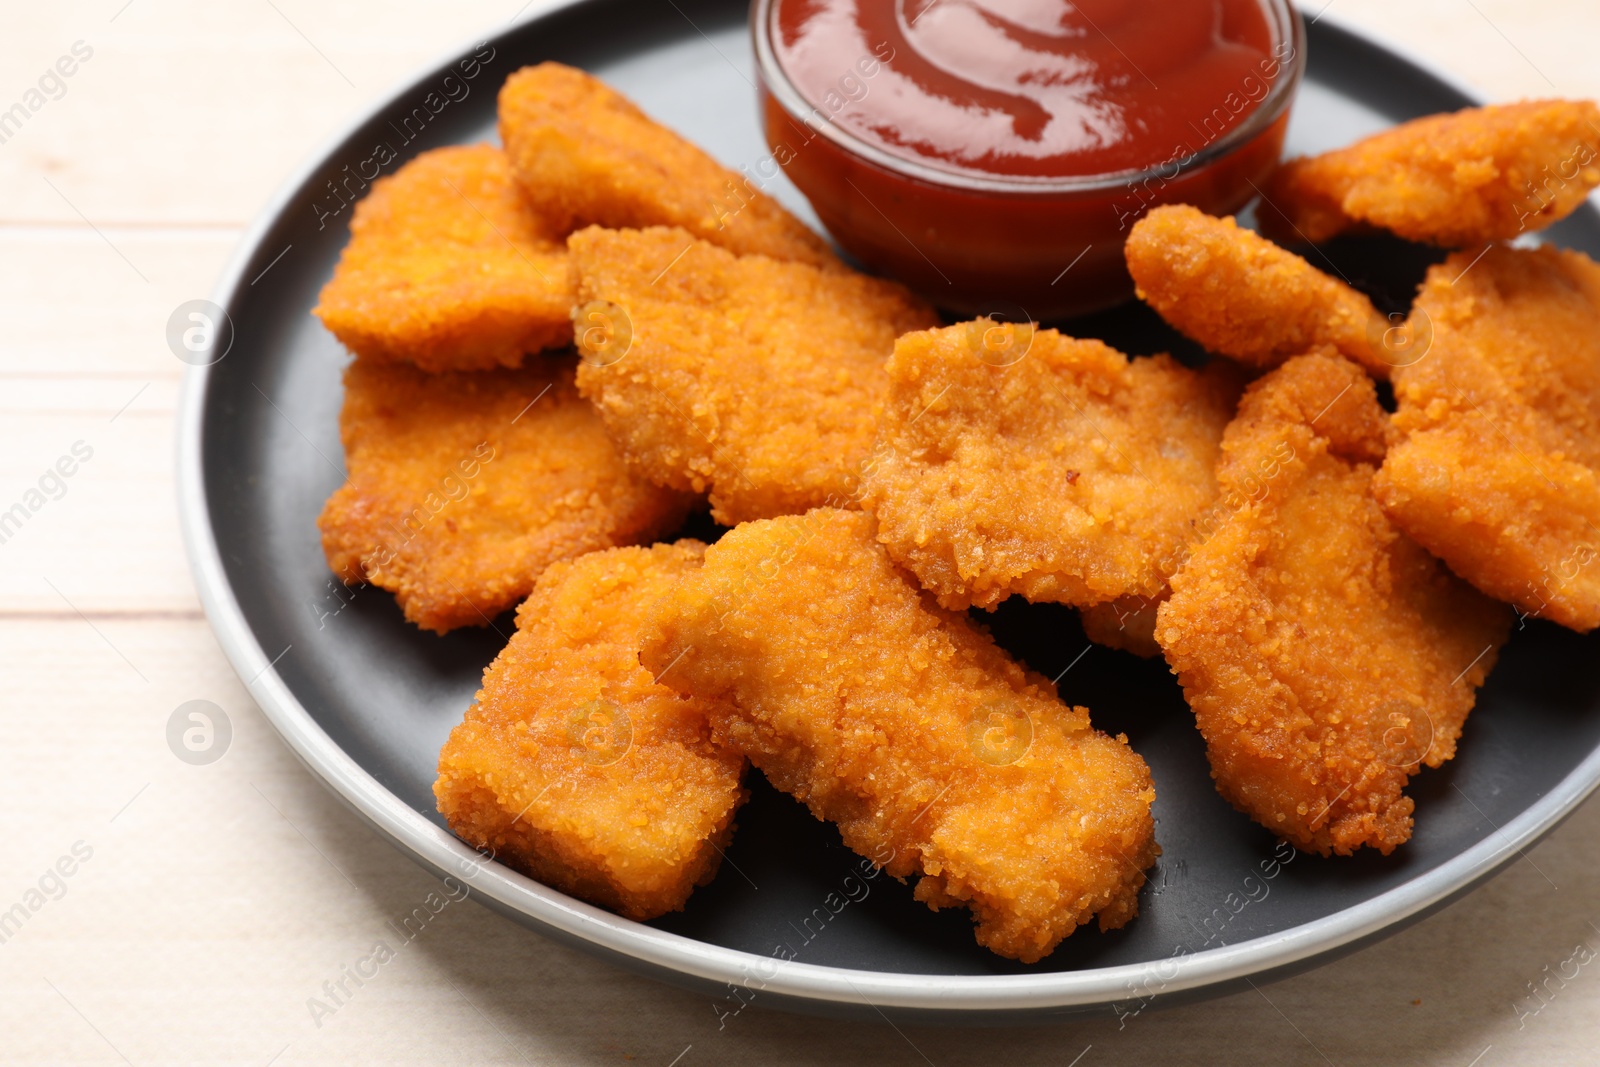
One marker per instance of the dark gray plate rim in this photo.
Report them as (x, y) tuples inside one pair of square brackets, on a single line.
[(796, 984)]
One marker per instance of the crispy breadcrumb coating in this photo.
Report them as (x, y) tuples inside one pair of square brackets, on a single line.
[(1127, 623), (934, 752), (1499, 470), (1012, 459), (756, 380), (464, 487), (1241, 296), (450, 268), (586, 155), (573, 765), (1482, 174), (1326, 656)]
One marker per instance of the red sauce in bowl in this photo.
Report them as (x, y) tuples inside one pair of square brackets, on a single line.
[(992, 154), (1038, 88)]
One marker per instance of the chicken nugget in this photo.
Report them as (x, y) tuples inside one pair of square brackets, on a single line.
[(573, 765), (932, 750), (1240, 295), (1326, 656), (1012, 459), (1482, 174), (586, 155), (1499, 470), (756, 380), (450, 268), (464, 487)]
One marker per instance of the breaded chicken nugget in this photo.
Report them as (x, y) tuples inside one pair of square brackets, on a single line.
[(1482, 174), (1499, 470), (464, 487), (756, 380), (1240, 295), (1326, 656), (450, 268), (573, 765), (586, 155), (1017, 460), (934, 752)]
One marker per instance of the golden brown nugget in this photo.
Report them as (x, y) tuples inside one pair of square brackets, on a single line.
[(449, 267), (586, 155), (1241, 296), (1326, 655), (934, 752), (1482, 174), (1499, 470), (1017, 460), (573, 765), (755, 380), (464, 487)]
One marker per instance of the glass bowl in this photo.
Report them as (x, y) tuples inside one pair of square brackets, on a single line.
[(1014, 246)]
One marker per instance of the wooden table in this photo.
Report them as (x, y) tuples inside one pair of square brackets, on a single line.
[(205, 905)]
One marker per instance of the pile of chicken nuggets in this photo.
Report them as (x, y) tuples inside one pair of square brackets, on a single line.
[(566, 347)]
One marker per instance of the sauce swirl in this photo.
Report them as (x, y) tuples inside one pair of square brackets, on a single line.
[(1031, 88)]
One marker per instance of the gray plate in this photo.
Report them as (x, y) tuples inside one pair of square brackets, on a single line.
[(365, 700)]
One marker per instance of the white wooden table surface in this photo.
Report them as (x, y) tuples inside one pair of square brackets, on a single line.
[(205, 905)]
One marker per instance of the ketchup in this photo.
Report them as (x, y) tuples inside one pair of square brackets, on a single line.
[(1030, 88)]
